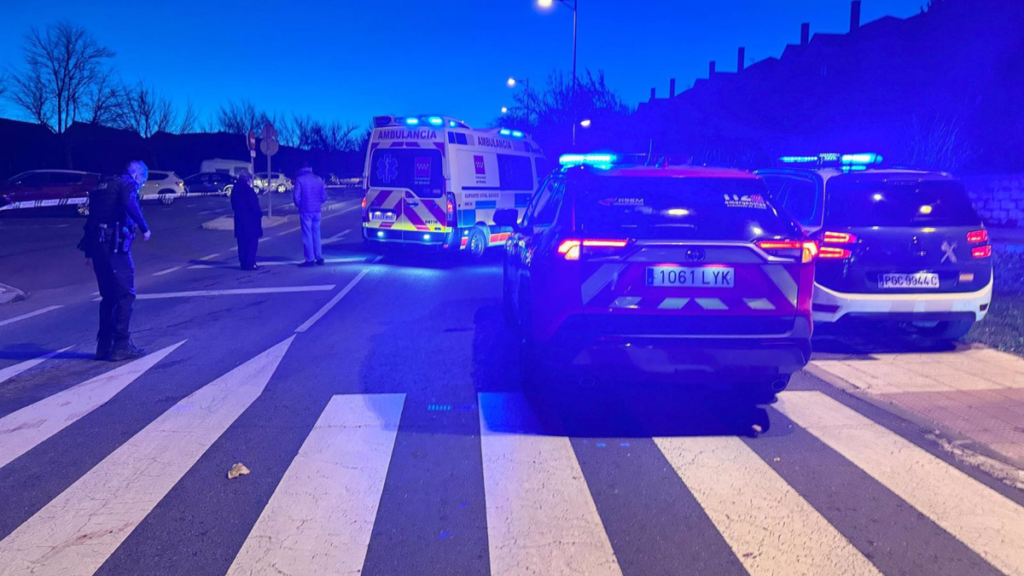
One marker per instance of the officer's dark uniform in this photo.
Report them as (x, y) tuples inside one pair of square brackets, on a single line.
[(114, 214)]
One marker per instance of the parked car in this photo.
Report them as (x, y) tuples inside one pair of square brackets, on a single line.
[(231, 167), (48, 188), (275, 181), (165, 187), (896, 244), (210, 183), (671, 270)]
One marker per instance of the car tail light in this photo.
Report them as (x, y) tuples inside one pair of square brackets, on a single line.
[(981, 251), (808, 248), (570, 249), (830, 253), (180, 183), (838, 238), (977, 236)]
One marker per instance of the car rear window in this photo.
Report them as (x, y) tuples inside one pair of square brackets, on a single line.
[(857, 202), (158, 175), (416, 170), (683, 208)]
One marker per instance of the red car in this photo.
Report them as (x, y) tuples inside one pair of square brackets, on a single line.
[(674, 270), (47, 188)]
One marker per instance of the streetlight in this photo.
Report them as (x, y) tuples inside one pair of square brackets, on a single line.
[(504, 109), (585, 123), (511, 83), (572, 5)]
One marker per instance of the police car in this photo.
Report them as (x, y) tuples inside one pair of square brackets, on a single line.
[(675, 270), (902, 245)]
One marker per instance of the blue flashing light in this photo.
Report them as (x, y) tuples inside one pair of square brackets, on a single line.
[(861, 159), (517, 134), (603, 161), (505, 132), (452, 124), (799, 159), (412, 121), (435, 120), (846, 161)]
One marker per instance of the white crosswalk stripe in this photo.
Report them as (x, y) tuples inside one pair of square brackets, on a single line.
[(320, 517), (541, 518), (987, 522), (30, 426), (78, 530), (12, 371), (771, 529)]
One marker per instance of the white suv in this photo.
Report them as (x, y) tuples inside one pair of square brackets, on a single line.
[(275, 181), (163, 186)]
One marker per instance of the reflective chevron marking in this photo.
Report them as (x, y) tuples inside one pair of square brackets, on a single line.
[(759, 303), (711, 304), (76, 532), (771, 529), (673, 303), (321, 515), (626, 302), (600, 279), (12, 371), (30, 426), (787, 285), (541, 518), (984, 520)]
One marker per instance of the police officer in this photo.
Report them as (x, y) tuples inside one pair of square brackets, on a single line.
[(114, 215)]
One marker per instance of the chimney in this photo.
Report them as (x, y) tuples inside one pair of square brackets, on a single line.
[(855, 15), (805, 33), (653, 94), (740, 57), (672, 88), (711, 69)]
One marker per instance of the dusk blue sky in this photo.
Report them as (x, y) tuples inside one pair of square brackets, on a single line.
[(349, 60)]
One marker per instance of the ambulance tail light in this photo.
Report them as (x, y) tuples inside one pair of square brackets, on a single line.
[(450, 210), (363, 205), (570, 249), (982, 251), (807, 249), (977, 236)]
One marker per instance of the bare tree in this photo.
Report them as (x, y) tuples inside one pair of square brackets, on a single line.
[(189, 119), (937, 141), (62, 64), (145, 111), (333, 137), (103, 100), (240, 117)]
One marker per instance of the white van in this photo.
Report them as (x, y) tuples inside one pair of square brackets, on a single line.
[(232, 167), (435, 181)]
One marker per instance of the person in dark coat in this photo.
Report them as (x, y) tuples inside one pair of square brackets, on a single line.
[(248, 220)]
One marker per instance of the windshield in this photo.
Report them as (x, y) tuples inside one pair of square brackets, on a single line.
[(685, 208), (416, 170), (857, 202)]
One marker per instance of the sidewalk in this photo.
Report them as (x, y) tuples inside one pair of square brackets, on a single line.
[(975, 392)]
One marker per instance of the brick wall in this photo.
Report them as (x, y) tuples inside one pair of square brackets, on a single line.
[(999, 199)]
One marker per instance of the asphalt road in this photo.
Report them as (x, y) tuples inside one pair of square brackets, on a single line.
[(375, 402)]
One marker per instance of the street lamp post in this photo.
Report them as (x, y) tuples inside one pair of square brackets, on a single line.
[(511, 83), (574, 6)]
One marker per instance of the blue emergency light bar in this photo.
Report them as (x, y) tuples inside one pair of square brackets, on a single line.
[(603, 161), (846, 161)]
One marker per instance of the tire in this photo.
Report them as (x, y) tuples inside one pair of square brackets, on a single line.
[(281, 189), (764, 391), (227, 190), (953, 330), (477, 244), (167, 199), (83, 208)]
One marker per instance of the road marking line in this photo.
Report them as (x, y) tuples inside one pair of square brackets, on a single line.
[(340, 212), (541, 518), (264, 239), (289, 231), (235, 292), (210, 256), (986, 521), (167, 271), (337, 298), (276, 263), (320, 517), (337, 236), (12, 371), (768, 525), (29, 315), (79, 529), (25, 429)]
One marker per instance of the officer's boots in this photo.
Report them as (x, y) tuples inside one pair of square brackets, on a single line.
[(125, 350), (103, 349)]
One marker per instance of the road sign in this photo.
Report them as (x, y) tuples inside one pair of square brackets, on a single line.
[(269, 132), (269, 147), (252, 140)]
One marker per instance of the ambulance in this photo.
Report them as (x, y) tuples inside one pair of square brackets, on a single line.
[(434, 181)]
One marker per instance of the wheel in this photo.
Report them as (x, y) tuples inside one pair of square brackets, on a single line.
[(227, 189), (281, 188), (477, 244), (83, 208), (952, 330), (763, 391), (167, 199)]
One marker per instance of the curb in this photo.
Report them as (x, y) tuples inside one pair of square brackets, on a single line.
[(228, 222), (962, 448), (10, 294)]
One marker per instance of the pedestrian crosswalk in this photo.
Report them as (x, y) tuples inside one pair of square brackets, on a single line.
[(539, 493)]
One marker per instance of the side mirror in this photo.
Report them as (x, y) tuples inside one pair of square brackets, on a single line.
[(507, 218)]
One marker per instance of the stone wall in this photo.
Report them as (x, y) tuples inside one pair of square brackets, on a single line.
[(999, 199)]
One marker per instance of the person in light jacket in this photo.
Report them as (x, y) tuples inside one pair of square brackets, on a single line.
[(309, 196), (248, 220)]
